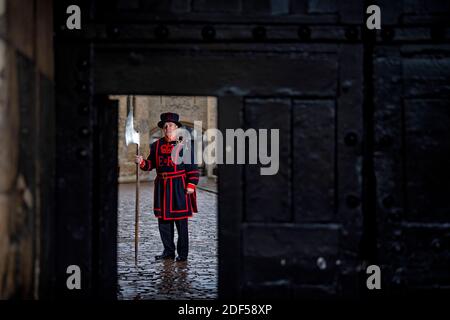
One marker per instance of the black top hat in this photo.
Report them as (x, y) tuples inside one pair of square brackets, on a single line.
[(169, 117)]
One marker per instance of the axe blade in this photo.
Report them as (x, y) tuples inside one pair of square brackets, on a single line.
[(131, 135)]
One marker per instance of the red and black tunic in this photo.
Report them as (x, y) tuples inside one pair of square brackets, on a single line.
[(170, 200)]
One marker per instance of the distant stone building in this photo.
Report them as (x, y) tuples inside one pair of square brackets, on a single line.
[(146, 116)]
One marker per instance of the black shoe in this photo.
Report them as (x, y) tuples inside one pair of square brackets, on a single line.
[(180, 259), (164, 256)]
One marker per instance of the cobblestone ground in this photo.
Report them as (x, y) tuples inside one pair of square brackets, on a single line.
[(162, 280)]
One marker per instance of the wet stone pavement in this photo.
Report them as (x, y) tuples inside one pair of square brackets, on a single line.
[(162, 280)]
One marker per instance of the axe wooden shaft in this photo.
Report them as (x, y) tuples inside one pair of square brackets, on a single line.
[(136, 222)]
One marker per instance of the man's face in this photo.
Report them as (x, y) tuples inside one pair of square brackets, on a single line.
[(169, 129)]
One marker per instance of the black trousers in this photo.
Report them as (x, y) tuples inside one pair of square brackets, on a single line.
[(166, 230)]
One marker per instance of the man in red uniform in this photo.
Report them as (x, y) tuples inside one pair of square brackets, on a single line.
[(174, 198)]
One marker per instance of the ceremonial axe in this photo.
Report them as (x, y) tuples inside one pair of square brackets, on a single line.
[(132, 136)]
